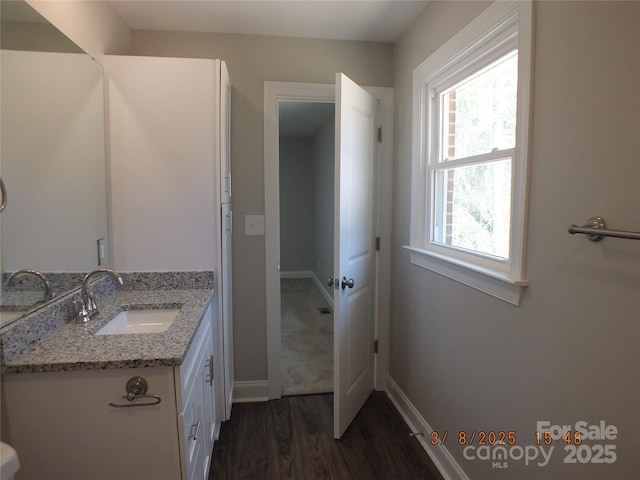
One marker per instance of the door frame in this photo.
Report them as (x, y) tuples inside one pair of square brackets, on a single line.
[(274, 92)]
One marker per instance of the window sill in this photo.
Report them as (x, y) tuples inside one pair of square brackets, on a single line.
[(499, 286)]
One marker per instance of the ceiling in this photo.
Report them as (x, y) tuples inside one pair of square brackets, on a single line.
[(366, 20), (360, 20)]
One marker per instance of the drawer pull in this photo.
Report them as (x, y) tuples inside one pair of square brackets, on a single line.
[(194, 430), (137, 388)]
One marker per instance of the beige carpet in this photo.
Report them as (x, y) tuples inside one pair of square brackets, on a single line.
[(307, 339)]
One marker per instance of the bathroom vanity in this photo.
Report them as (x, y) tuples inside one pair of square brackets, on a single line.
[(122, 405), (63, 383)]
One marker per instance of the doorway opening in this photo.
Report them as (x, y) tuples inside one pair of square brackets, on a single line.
[(306, 180), (274, 94)]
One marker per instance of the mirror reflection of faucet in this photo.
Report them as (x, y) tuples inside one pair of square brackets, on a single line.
[(86, 307), (46, 285)]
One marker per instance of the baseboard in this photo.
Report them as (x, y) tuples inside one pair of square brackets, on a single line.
[(252, 391), (297, 274), (328, 298), (441, 457), (316, 281)]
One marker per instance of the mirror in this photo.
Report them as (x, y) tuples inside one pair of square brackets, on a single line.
[(52, 161)]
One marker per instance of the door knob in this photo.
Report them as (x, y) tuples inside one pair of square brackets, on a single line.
[(346, 283), (330, 282)]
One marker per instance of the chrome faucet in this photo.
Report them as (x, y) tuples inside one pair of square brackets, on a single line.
[(87, 307), (48, 294)]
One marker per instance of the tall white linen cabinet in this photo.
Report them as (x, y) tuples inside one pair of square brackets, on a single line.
[(170, 180)]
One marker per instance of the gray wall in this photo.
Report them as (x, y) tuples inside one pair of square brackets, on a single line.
[(93, 26), (570, 352), (306, 203), (37, 37), (252, 60), (323, 174), (296, 204)]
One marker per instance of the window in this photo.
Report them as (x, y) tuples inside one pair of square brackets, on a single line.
[(470, 134)]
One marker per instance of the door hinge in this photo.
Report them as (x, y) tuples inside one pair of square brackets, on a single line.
[(375, 346), (378, 244), (379, 134)]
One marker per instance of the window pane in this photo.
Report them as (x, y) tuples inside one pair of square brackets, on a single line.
[(473, 207), (479, 114)]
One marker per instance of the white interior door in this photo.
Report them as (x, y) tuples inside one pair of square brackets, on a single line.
[(355, 253)]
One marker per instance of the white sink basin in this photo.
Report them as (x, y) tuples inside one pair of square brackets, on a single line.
[(139, 321)]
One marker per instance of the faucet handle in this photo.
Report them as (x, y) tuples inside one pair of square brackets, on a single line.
[(92, 307), (81, 314)]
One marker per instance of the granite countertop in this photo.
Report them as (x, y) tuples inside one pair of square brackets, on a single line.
[(74, 346)]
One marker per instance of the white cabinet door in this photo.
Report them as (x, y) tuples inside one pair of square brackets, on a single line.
[(224, 333), (226, 289), (225, 134), (192, 427), (196, 403), (62, 426), (208, 390)]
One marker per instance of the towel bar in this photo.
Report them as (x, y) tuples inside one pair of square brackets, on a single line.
[(137, 388), (596, 229)]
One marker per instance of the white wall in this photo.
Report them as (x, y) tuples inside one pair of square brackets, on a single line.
[(53, 152), (162, 123), (470, 362)]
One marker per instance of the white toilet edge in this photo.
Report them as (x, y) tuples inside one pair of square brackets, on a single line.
[(9, 463)]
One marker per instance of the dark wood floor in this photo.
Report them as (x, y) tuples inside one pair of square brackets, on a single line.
[(292, 438)]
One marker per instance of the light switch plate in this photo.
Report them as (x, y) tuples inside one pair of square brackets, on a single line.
[(254, 224)]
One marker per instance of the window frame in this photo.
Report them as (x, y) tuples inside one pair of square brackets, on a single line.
[(503, 27)]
